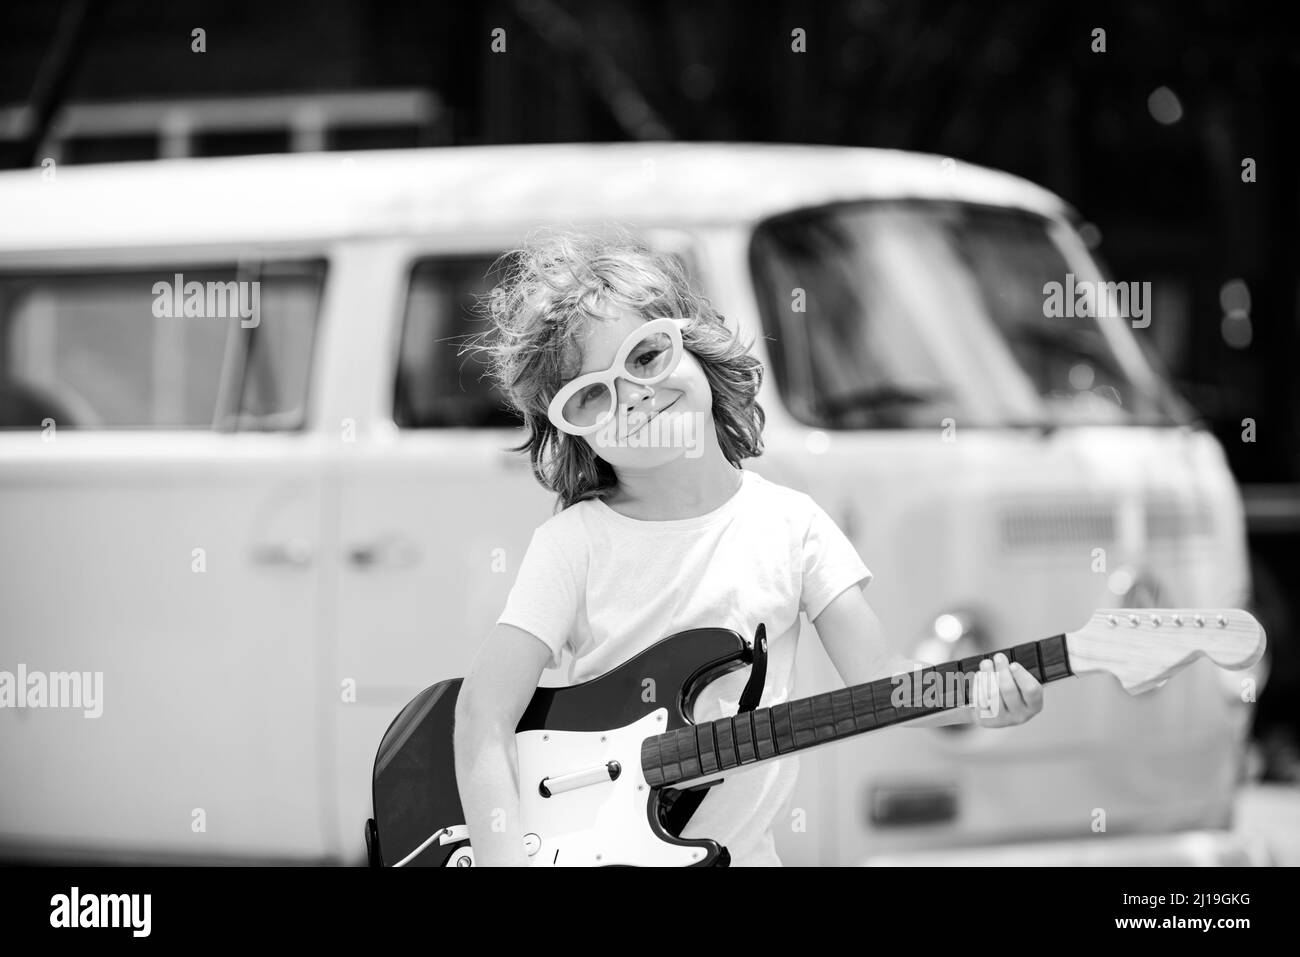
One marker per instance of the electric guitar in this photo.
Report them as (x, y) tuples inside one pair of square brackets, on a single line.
[(607, 778)]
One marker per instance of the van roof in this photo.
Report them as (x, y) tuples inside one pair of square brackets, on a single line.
[(306, 196)]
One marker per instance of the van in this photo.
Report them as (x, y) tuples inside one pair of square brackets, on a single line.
[(266, 537)]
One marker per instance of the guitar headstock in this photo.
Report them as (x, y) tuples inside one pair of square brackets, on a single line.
[(1142, 647)]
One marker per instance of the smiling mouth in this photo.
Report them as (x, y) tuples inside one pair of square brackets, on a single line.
[(655, 416)]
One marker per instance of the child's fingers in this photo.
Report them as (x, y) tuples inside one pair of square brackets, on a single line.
[(1012, 699), (993, 709), (1030, 687)]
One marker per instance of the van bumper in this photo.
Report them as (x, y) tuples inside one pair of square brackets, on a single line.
[(1207, 848)]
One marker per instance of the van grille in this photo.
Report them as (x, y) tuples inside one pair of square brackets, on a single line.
[(1087, 524), (1056, 524)]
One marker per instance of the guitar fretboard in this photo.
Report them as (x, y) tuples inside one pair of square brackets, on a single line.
[(766, 733)]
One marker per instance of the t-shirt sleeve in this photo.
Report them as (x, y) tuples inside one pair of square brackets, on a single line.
[(830, 564), (544, 598)]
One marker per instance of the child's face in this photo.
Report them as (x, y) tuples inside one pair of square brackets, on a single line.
[(655, 423)]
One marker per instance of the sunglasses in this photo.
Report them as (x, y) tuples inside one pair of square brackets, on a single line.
[(648, 355)]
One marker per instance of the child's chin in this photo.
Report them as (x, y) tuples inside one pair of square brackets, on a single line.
[(639, 458)]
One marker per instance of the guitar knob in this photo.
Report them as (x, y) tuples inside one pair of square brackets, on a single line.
[(532, 844)]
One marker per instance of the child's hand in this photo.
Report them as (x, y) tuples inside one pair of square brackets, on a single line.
[(1009, 695)]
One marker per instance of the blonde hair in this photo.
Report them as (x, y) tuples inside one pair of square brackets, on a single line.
[(548, 289)]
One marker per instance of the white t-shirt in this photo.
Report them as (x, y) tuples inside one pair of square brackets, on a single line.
[(608, 587)]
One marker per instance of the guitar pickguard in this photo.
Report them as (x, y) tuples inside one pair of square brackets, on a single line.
[(601, 823)]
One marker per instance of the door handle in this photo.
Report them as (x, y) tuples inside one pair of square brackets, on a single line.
[(389, 552), (295, 553)]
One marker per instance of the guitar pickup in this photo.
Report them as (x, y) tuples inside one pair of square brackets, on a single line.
[(609, 771)]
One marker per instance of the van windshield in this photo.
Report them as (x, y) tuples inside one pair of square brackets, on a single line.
[(905, 314)]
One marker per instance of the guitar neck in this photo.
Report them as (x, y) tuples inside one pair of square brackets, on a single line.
[(765, 734)]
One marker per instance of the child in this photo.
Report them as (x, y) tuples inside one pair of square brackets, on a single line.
[(640, 406)]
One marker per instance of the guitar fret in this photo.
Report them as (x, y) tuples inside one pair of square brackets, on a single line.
[(1027, 657), (801, 720), (950, 677), (1056, 662), (864, 710), (725, 730), (652, 760), (688, 752), (914, 687), (745, 738), (708, 752), (668, 757), (764, 739), (842, 711), (781, 728), (823, 714), (881, 692)]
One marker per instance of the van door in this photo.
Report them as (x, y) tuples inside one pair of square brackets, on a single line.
[(435, 513), (161, 509)]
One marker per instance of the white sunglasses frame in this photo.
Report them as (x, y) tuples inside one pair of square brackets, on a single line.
[(555, 411)]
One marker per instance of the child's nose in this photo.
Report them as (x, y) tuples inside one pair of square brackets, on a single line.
[(631, 392)]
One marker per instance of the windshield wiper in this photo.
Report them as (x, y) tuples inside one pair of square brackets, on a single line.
[(1070, 344), (878, 397)]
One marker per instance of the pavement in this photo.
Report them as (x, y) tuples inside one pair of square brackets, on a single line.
[(1268, 814)]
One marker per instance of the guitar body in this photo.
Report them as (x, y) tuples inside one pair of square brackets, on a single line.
[(581, 744), (610, 770)]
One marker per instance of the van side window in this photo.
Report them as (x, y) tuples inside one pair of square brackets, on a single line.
[(277, 367), (171, 347), (441, 384)]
